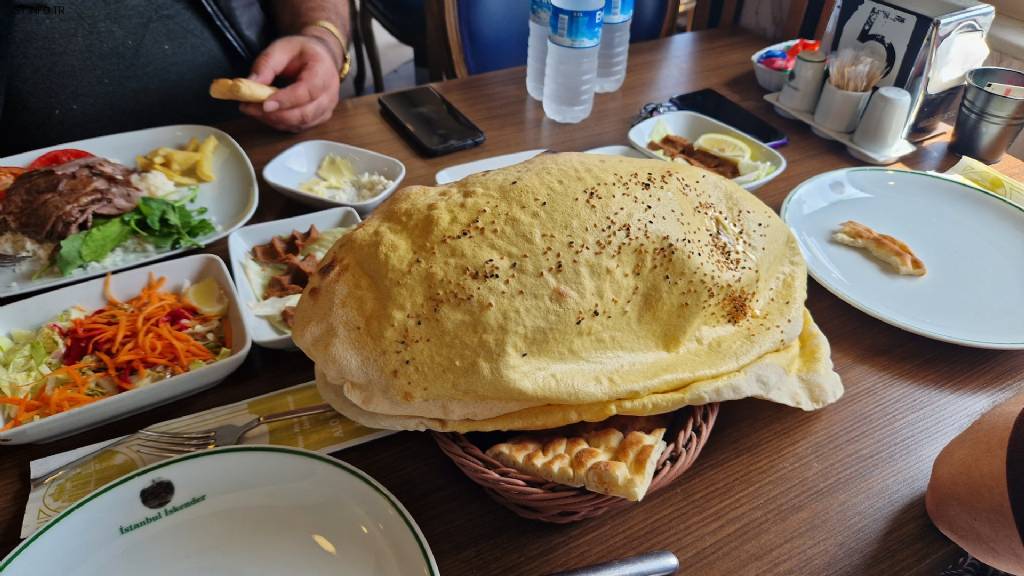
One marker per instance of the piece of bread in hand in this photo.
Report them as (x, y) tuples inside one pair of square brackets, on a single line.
[(881, 246), (240, 89), (976, 492), (604, 461)]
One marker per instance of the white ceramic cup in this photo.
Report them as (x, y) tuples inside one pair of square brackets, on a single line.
[(839, 110), (884, 120)]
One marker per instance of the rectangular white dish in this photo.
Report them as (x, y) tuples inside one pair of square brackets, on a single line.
[(691, 125), (230, 199), (33, 312), (242, 241)]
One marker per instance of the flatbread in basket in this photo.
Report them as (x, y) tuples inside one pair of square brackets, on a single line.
[(568, 288)]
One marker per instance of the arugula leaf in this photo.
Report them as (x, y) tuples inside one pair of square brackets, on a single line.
[(153, 210), (162, 223), (132, 219), (172, 215), (193, 191), (161, 242), (101, 238), (70, 256), (170, 224), (201, 227)]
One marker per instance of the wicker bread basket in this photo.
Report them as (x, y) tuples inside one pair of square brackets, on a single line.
[(538, 499)]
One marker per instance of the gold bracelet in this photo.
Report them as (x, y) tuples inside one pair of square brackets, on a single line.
[(346, 62)]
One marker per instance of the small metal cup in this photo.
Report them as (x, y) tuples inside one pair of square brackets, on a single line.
[(987, 122)]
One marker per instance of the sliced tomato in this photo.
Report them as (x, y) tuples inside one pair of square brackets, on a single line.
[(57, 157), (7, 176)]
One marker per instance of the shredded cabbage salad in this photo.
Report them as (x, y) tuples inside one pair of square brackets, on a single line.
[(80, 356)]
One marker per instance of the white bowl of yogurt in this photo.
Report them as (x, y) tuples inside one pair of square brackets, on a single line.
[(326, 174)]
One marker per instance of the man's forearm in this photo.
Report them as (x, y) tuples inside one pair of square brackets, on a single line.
[(297, 17)]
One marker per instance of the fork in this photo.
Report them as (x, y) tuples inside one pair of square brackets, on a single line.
[(157, 443), (7, 260)]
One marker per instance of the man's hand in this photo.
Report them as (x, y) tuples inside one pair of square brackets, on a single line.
[(313, 93)]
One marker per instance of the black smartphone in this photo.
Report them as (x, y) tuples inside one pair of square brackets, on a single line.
[(710, 102), (429, 122)]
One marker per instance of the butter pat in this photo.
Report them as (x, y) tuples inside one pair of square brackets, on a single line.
[(336, 179)]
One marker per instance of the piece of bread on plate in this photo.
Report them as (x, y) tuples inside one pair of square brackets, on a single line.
[(882, 246)]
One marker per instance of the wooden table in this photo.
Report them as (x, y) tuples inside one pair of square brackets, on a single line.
[(776, 491)]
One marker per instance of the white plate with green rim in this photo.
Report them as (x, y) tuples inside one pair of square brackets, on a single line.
[(971, 241), (238, 510)]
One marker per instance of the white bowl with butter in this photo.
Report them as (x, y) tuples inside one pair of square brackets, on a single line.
[(351, 176)]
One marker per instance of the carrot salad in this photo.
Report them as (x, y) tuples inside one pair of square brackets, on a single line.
[(82, 357)]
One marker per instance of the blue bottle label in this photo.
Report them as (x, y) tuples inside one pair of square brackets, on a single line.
[(617, 11), (575, 28), (540, 11)]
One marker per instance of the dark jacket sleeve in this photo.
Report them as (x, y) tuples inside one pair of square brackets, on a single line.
[(244, 24)]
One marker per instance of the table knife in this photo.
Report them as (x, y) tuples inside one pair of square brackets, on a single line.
[(660, 563)]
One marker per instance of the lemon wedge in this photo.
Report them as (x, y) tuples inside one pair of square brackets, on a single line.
[(724, 146), (207, 297)]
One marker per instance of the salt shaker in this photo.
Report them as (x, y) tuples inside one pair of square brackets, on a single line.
[(800, 93)]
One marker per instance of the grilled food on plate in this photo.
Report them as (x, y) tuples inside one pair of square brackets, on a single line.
[(570, 288), (890, 250), (70, 210)]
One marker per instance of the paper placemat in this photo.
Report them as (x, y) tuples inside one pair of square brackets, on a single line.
[(323, 433), (974, 173)]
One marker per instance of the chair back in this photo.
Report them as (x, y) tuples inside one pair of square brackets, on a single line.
[(653, 19), (715, 13), (486, 35)]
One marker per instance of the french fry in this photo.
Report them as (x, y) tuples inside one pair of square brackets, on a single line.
[(191, 164), (177, 160), (204, 168), (174, 176)]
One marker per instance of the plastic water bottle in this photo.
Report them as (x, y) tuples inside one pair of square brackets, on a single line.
[(537, 47), (570, 73), (611, 62)]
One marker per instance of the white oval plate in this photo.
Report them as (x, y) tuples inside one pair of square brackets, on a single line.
[(232, 511), (460, 171), (617, 150), (289, 169), (971, 242), (31, 313), (691, 125), (241, 242), (230, 199)]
